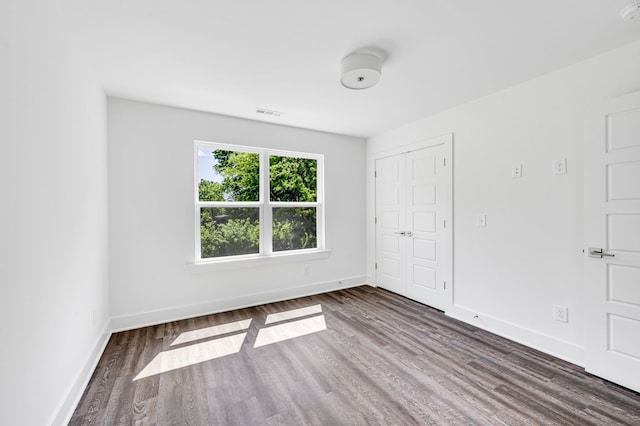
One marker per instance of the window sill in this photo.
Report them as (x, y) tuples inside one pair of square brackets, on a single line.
[(253, 262)]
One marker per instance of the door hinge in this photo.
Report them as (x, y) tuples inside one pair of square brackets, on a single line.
[(375, 173), (444, 223), (444, 161), (445, 285), (376, 267), (375, 220)]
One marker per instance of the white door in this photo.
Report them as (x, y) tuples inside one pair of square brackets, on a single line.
[(390, 224), (612, 241), (413, 243)]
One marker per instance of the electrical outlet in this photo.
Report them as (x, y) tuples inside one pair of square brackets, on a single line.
[(516, 171), (561, 313), (560, 167)]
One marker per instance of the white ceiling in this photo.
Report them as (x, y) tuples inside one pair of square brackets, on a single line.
[(231, 57)]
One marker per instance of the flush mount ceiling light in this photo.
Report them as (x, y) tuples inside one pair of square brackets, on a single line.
[(361, 71), (631, 11)]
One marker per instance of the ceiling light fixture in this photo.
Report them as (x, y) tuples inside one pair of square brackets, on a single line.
[(361, 71), (631, 11)]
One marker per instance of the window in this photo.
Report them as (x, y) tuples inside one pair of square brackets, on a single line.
[(253, 202)]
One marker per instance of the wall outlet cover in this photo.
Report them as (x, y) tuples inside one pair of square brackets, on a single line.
[(561, 313), (560, 167)]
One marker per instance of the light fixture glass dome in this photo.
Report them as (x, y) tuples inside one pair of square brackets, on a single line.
[(631, 11), (361, 71)]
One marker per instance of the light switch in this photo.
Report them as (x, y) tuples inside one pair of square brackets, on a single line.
[(516, 171), (482, 220)]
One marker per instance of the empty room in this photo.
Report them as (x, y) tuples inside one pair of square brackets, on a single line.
[(330, 213)]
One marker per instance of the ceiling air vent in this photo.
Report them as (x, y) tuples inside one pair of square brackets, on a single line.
[(269, 112)]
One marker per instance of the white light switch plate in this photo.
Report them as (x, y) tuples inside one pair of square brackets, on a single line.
[(516, 171), (482, 220)]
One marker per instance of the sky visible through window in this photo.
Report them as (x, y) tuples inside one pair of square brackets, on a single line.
[(206, 161)]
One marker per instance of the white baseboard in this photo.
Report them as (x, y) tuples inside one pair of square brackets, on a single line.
[(73, 395), (550, 345), (129, 322)]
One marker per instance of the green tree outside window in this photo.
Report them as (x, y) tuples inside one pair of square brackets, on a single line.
[(228, 231)]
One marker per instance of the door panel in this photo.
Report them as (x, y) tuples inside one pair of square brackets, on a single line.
[(426, 179), (620, 330), (424, 249), (624, 232), (423, 277), (390, 220), (612, 223), (623, 127), (623, 181), (424, 221), (622, 285), (424, 195), (390, 249)]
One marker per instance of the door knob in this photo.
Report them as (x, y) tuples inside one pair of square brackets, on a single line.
[(599, 253)]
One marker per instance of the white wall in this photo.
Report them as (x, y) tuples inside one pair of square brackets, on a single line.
[(529, 257), (54, 306), (151, 215)]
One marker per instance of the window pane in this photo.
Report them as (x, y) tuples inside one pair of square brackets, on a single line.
[(294, 228), (292, 179), (229, 231), (228, 175)]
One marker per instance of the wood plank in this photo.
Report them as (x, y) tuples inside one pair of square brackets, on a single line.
[(383, 359)]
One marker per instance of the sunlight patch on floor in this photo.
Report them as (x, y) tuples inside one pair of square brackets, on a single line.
[(290, 330), (294, 313), (196, 353), (216, 330), (193, 354)]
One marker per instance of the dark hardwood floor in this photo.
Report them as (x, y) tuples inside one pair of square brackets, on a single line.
[(382, 359)]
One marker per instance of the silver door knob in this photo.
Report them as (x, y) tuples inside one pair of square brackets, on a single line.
[(599, 253)]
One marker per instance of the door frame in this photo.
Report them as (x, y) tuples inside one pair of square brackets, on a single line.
[(447, 141)]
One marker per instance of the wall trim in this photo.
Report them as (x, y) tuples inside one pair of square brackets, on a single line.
[(69, 403), (550, 345), (145, 319)]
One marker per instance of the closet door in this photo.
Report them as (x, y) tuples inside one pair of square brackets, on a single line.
[(427, 194), (413, 243), (390, 223)]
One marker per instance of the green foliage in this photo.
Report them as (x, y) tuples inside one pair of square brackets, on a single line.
[(292, 179), (229, 231), (294, 228), (236, 231), (241, 174), (210, 191)]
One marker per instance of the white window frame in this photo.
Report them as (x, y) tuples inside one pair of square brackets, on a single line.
[(264, 204)]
